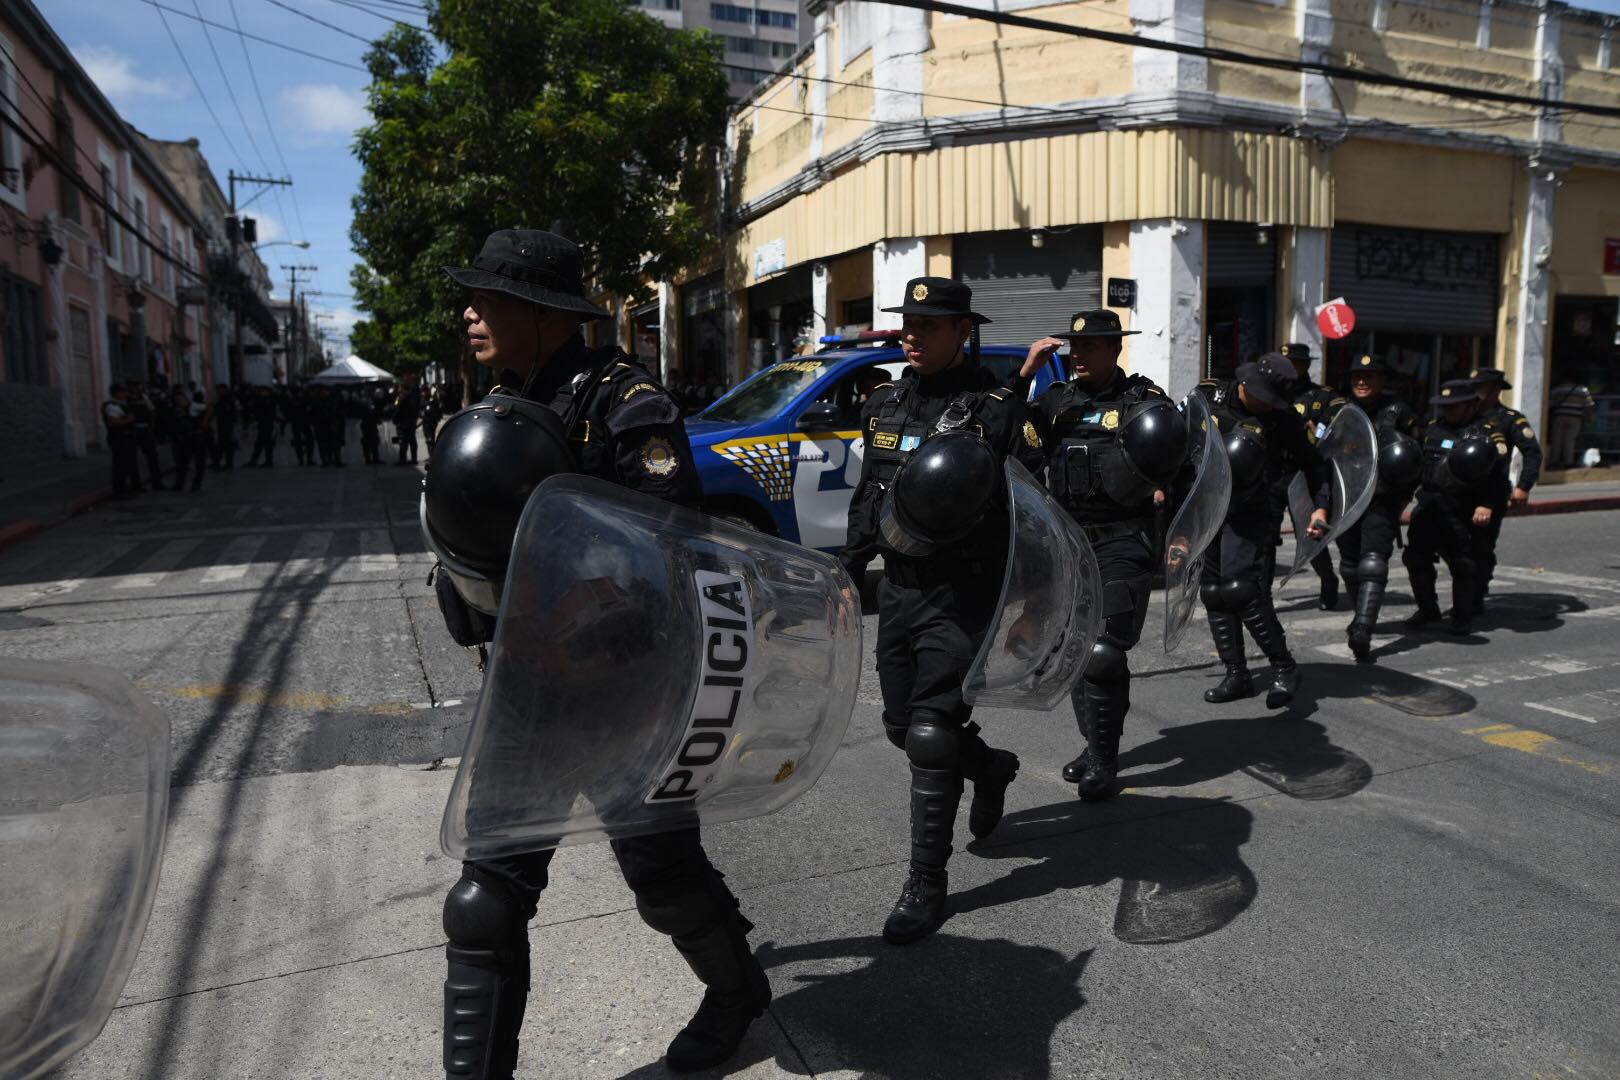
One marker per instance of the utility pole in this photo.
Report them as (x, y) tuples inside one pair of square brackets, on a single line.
[(294, 339), (233, 229)]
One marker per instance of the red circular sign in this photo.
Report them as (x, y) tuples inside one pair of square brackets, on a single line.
[(1336, 320)]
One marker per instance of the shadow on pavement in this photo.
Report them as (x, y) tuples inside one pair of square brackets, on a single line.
[(946, 1006), (1177, 883), (1411, 694), (1287, 752)]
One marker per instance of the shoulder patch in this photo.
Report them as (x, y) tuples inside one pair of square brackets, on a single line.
[(638, 388), (658, 458), (997, 394)]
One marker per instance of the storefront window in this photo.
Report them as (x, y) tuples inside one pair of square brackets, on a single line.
[(703, 331), (1583, 404)]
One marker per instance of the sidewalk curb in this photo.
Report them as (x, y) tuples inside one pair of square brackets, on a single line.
[(18, 531)]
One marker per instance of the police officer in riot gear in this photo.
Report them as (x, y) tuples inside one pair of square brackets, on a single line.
[(1109, 442), (1317, 405), (1366, 547), (922, 503), (1264, 441), (1465, 485), (560, 406), (1521, 437)]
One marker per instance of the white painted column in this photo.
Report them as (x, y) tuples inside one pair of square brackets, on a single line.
[(1307, 290), (1529, 368), (821, 320), (1313, 23), (1167, 260), (821, 68), (899, 44), (895, 262), (1163, 73), (669, 324)]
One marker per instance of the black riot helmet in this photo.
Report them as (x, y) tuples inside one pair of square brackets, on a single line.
[(487, 461), (1154, 438), (1246, 450), (1470, 459), (1400, 462), (941, 493)]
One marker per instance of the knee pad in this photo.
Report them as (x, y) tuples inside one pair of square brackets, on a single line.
[(1210, 593), (932, 745), (896, 732), (1373, 568), (1108, 663), (1237, 594), (484, 916)]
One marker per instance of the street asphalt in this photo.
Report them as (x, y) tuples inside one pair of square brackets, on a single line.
[(1411, 873)]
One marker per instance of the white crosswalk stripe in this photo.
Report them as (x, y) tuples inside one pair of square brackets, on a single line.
[(167, 559), (236, 559), (18, 595), (377, 552), (311, 547)]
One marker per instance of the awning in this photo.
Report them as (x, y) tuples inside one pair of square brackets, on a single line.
[(351, 371)]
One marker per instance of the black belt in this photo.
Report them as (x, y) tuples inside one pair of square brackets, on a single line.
[(1107, 530)]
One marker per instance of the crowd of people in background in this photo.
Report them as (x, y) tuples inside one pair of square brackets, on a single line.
[(197, 432), (696, 395)]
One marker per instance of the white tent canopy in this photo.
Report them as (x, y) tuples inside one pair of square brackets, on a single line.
[(351, 372)]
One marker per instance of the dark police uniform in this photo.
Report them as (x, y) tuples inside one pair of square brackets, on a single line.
[(145, 426), (115, 414), (626, 429), (1077, 427), (1235, 583), (224, 428), (264, 429), (1317, 405), (1442, 523), (188, 439), (934, 610), (407, 407), (1521, 437), (1366, 547)]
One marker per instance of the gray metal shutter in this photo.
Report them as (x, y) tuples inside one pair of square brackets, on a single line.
[(1416, 279), (1027, 291), (1237, 253)]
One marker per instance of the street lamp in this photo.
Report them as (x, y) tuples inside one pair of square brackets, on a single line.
[(290, 243)]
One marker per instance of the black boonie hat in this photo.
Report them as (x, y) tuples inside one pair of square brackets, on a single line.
[(1372, 365), (1270, 378), (1485, 375), (938, 296), (530, 264), (1098, 322), (1296, 350), (1455, 392)]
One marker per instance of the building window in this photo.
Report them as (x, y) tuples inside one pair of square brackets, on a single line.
[(777, 50), (731, 13), (662, 5), (111, 234), (24, 333), (11, 149), (143, 258), (786, 20), (165, 267), (67, 151)]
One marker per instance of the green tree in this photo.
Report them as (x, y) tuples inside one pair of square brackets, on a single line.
[(516, 113)]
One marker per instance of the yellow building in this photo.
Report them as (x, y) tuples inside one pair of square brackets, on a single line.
[(1053, 172)]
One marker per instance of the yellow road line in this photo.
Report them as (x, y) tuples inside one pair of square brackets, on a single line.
[(1528, 741), (309, 701)]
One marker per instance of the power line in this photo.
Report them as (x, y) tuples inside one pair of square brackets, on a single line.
[(1206, 52), (255, 37), (230, 92), (237, 154), (270, 127), (374, 13), (320, 22)]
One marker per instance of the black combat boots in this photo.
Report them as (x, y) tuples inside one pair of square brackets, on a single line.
[(1227, 631), (1261, 619), (992, 772), (935, 796)]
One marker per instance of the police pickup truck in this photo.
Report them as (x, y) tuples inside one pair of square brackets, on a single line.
[(781, 453)]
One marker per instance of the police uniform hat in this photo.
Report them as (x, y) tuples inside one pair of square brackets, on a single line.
[(1270, 379), (1297, 352), (1455, 392), (938, 296), (1372, 365), (1487, 375), (1099, 322), (530, 264)]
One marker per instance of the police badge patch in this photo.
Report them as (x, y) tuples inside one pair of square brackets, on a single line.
[(1110, 419), (658, 458), (919, 292), (1079, 323), (1030, 437)]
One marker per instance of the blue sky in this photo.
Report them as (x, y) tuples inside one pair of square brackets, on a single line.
[(313, 108)]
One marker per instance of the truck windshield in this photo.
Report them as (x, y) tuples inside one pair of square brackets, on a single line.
[(769, 392)]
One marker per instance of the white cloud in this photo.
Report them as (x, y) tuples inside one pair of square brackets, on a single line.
[(114, 73), (325, 109), (268, 227)]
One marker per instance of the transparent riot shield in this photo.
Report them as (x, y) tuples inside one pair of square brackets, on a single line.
[(84, 796), (652, 668), (1197, 520), (1050, 608), (1351, 448)]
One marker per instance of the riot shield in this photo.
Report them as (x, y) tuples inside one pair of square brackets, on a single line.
[(652, 668), (1351, 448), (1050, 608), (1197, 520), (84, 796)]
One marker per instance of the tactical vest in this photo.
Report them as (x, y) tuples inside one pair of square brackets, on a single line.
[(1224, 410), (587, 432), (1312, 405), (1438, 442), (1089, 474), (896, 434)]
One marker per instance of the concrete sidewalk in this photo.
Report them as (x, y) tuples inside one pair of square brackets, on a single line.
[(47, 495)]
